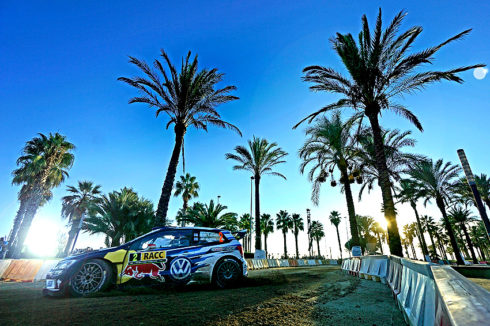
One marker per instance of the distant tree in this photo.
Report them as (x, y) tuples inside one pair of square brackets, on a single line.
[(121, 216), (284, 223), (245, 223), (462, 216), (75, 205), (188, 97), (317, 233), (298, 225), (335, 220), (211, 216), (188, 188), (267, 227), (380, 69), (437, 181), (380, 234), (259, 158)]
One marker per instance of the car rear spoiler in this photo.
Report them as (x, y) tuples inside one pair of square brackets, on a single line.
[(240, 234)]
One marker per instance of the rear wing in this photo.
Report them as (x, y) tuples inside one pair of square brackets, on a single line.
[(240, 234)]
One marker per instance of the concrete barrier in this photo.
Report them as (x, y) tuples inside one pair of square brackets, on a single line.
[(301, 262), (311, 262), (250, 265), (22, 270)]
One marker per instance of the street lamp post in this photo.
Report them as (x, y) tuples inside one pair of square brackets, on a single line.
[(251, 219)]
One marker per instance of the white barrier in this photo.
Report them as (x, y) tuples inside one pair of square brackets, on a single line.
[(4, 264), (45, 268), (333, 262)]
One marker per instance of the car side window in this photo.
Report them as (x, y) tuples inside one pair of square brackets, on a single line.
[(208, 237), (165, 240)]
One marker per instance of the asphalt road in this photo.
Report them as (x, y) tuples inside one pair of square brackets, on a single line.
[(289, 296)]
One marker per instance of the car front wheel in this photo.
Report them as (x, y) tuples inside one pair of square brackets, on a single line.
[(93, 276), (227, 273)]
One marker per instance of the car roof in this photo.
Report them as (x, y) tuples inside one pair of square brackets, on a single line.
[(163, 228)]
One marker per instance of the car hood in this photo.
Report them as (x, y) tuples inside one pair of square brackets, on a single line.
[(100, 253)]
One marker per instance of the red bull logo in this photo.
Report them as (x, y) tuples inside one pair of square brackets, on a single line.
[(154, 271)]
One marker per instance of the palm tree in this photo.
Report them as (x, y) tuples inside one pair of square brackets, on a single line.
[(380, 234), (335, 219), (330, 145), (409, 233), (121, 216), (408, 192), (267, 227), (43, 166), (298, 225), (437, 180), (462, 216), (381, 70), (284, 223), (429, 225), (188, 98), (259, 159), (396, 160), (479, 238), (483, 186), (188, 188), (245, 223), (75, 205), (317, 233), (210, 215)]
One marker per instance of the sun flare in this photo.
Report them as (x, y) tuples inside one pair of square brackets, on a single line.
[(42, 238)]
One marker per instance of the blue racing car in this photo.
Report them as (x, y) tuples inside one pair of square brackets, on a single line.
[(179, 255)]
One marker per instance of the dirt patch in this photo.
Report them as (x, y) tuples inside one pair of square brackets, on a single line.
[(289, 296), (483, 282)]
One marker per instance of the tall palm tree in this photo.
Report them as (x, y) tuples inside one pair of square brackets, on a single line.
[(284, 223), (437, 180), (121, 216), (462, 216), (408, 192), (245, 223), (381, 70), (317, 233), (267, 227), (259, 158), (188, 97), (209, 215), (330, 144), (188, 188), (75, 205), (43, 166), (335, 219), (298, 225), (479, 238)]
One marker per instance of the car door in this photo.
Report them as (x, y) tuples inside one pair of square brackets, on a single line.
[(149, 258)]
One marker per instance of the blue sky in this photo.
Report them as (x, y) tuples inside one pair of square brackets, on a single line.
[(59, 65)]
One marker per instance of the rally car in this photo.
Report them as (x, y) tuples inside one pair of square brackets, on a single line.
[(179, 255)]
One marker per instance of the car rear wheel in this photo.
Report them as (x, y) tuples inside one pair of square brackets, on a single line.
[(227, 273), (93, 276)]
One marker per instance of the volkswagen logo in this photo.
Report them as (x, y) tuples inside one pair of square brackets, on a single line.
[(180, 269)]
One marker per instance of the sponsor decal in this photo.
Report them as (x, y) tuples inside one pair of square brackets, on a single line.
[(180, 269), (154, 271), (147, 257)]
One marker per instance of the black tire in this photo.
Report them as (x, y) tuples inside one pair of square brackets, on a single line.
[(94, 275), (227, 272)]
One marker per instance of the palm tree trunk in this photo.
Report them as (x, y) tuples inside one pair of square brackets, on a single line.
[(447, 224), (460, 238), (394, 241), (441, 246), (184, 209), (15, 229), (71, 236), (258, 232), (318, 246), (470, 244), (168, 184), (413, 250), (419, 225), (31, 209), (432, 242), (265, 243), (296, 242), (338, 238), (380, 244), (350, 208), (285, 247)]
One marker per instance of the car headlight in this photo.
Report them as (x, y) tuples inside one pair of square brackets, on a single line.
[(61, 266)]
